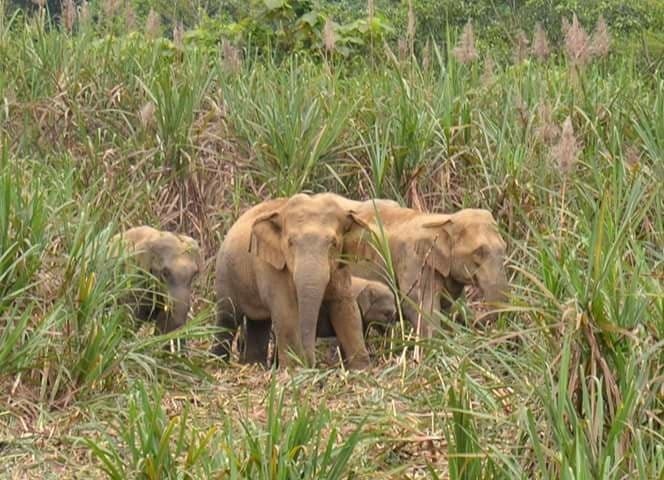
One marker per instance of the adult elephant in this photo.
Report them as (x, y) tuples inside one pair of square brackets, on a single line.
[(434, 256), (277, 265)]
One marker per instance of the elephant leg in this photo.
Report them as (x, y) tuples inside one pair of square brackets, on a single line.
[(286, 329), (257, 341), (227, 320), (347, 323)]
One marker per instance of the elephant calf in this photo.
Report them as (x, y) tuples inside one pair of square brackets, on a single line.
[(172, 259), (376, 303)]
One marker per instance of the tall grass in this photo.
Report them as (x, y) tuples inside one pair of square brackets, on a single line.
[(567, 385)]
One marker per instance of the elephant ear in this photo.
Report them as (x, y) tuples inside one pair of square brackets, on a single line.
[(354, 226), (265, 240), (436, 245), (192, 249), (151, 252)]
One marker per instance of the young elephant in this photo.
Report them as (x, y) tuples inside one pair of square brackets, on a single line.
[(277, 265), (435, 255), (375, 301), (172, 259)]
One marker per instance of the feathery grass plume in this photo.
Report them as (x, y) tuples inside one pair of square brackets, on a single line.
[(130, 17), (110, 8), (465, 51), (522, 110), (521, 42), (546, 130), (146, 115), (488, 74), (632, 157), (178, 35), (566, 151), (231, 57), (68, 14), (84, 13), (540, 48), (39, 3), (600, 42), (410, 30), (577, 43), (402, 47), (153, 25), (426, 55), (329, 36)]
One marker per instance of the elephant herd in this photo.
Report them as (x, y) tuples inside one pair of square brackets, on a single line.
[(312, 266)]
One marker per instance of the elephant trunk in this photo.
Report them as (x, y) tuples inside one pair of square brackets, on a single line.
[(311, 276), (492, 281), (178, 309)]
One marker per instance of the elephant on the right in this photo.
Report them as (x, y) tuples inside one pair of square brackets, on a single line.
[(434, 257)]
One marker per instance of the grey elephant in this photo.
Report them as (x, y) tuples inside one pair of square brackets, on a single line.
[(278, 264), (174, 260), (434, 256)]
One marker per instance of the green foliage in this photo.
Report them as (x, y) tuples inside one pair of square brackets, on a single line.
[(155, 447), (80, 161)]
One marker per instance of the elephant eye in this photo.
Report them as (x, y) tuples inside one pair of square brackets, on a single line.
[(335, 243), (166, 274)]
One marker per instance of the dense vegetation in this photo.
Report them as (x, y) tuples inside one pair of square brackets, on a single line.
[(106, 124)]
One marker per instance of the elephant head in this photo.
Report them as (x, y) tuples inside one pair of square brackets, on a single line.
[(376, 302), (174, 260), (306, 236), (466, 248)]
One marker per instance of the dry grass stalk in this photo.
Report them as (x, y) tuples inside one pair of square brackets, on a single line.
[(68, 14), (600, 42), (178, 35), (146, 115), (577, 44), (546, 130), (521, 42), (541, 48), (371, 11), (39, 3), (488, 74), (231, 56), (465, 51), (153, 25), (329, 36), (566, 151)]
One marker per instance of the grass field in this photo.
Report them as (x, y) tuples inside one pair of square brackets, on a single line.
[(101, 132)]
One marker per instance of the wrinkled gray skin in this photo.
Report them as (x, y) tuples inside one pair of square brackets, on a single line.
[(278, 264), (174, 260), (434, 257)]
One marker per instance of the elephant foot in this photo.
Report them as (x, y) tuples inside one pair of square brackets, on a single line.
[(359, 361)]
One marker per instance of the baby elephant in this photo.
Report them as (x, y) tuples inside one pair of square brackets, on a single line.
[(376, 303), (172, 259)]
